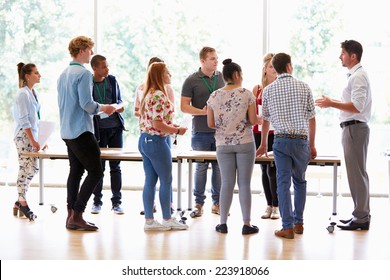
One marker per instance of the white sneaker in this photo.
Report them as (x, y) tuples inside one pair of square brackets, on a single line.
[(267, 213), (155, 225), (174, 224), (275, 213), (118, 209)]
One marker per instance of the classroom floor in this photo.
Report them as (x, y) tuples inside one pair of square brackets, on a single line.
[(121, 237)]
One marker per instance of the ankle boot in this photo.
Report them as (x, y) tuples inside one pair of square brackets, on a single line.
[(70, 212), (24, 210), (76, 222)]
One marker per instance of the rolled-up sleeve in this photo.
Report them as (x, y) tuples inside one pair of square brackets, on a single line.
[(359, 92), (311, 109), (22, 104)]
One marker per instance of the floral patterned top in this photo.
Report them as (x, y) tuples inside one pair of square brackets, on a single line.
[(231, 116), (157, 107)]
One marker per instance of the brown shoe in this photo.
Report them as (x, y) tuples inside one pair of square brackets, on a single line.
[(198, 211), (285, 233), (298, 228), (215, 209)]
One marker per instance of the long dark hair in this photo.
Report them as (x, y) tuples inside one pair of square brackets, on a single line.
[(24, 69)]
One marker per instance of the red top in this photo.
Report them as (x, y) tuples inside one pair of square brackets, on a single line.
[(258, 102)]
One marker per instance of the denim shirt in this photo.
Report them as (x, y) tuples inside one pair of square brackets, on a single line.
[(75, 101)]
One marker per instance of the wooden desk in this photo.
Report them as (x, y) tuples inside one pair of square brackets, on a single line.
[(106, 153), (179, 158), (203, 156)]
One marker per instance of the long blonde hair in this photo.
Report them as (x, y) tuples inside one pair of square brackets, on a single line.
[(266, 59), (154, 81)]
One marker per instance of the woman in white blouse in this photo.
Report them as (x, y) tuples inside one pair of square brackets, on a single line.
[(26, 115)]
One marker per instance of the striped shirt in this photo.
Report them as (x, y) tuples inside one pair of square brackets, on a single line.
[(288, 104)]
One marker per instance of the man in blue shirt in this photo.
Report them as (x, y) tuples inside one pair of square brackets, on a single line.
[(77, 107)]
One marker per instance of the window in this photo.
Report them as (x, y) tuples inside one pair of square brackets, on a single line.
[(311, 31)]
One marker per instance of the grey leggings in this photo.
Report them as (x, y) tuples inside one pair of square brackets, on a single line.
[(236, 161)]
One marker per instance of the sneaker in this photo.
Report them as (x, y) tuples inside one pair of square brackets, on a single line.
[(298, 228), (118, 209), (250, 229), (267, 213), (222, 228), (155, 225), (285, 233), (215, 209), (174, 224), (96, 209), (275, 213)]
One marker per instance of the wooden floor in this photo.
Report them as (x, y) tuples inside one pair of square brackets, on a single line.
[(123, 238)]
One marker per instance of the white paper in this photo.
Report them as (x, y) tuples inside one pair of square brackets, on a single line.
[(103, 115), (44, 131), (115, 105), (186, 121)]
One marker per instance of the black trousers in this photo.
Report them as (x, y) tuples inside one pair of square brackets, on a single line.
[(84, 154)]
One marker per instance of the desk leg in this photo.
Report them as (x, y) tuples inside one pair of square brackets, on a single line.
[(41, 181), (388, 159), (189, 184), (179, 166), (335, 189)]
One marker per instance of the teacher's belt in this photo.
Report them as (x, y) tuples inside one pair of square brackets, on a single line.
[(348, 123)]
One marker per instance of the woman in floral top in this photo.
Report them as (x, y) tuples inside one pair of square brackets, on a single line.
[(231, 110), (156, 125)]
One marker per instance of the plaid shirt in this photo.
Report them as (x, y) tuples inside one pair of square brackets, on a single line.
[(288, 104)]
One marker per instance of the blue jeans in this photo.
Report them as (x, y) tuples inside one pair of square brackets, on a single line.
[(84, 154), (110, 138), (205, 141), (157, 162), (291, 158)]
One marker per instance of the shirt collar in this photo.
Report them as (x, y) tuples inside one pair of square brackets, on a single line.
[(201, 74), (354, 69), (283, 75)]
